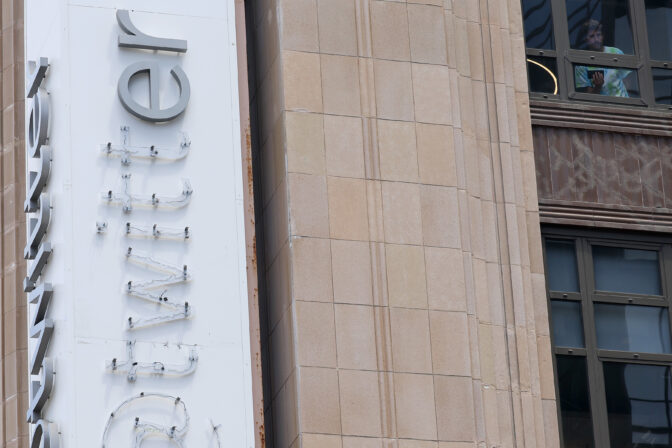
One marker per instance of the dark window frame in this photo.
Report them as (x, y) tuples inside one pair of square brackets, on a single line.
[(588, 296), (566, 57)]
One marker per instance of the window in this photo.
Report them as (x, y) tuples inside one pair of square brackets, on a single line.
[(609, 307), (616, 51)]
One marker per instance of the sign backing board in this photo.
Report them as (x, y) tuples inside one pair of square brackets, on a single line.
[(90, 266)]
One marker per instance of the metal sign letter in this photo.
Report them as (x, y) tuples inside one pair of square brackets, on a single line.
[(38, 227), (42, 328), (38, 126), (40, 391), (134, 38), (44, 436), (38, 180), (154, 113), (36, 75), (35, 269)]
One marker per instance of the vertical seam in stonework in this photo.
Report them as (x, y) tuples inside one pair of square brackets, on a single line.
[(410, 63), (374, 212), (365, 52), (326, 181), (424, 253), (290, 246), (497, 225), (331, 259), (415, 119), (431, 357), (424, 250), (477, 375), (529, 357)]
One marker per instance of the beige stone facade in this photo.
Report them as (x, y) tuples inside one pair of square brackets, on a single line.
[(14, 392), (402, 265)]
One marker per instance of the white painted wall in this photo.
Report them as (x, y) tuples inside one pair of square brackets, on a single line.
[(89, 271)]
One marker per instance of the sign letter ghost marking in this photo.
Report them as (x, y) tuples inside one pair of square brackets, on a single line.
[(153, 113), (134, 38)]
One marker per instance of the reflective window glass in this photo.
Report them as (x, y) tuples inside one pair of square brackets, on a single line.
[(567, 324), (577, 423), (615, 34), (639, 405), (542, 73), (619, 269), (632, 328), (659, 28), (561, 270), (608, 81), (662, 85), (538, 24), (600, 25)]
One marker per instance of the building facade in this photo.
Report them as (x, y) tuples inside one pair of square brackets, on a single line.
[(402, 259), (456, 218)]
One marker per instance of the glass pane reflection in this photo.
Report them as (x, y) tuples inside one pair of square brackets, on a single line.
[(662, 85), (619, 269), (542, 74), (567, 324), (561, 269), (538, 24), (608, 81), (577, 423), (659, 28), (639, 405), (600, 25), (632, 328)]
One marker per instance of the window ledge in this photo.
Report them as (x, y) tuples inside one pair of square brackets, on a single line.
[(601, 117), (605, 215)]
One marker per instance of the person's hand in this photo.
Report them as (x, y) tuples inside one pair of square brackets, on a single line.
[(598, 81)]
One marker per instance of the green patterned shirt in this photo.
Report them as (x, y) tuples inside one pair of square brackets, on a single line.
[(613, 77)]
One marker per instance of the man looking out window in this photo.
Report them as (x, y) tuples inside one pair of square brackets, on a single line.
[(598, 80)]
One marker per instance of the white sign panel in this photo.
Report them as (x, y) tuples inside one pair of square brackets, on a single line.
[(137, 276)]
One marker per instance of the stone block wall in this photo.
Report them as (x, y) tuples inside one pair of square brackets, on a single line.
[(400, 251), (14, 359)]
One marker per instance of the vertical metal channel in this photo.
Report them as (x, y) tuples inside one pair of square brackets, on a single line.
[(598, 400), (549, 313), (565, 74), (641, 38)]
